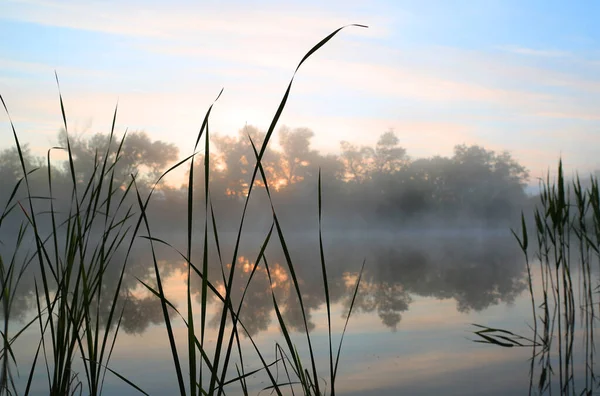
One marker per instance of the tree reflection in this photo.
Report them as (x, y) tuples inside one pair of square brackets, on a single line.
[(476, 273)]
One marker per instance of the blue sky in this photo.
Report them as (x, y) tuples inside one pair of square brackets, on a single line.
[(522, 76)]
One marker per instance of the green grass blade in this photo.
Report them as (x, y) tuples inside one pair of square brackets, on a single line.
[(325, 286), (337, 358)]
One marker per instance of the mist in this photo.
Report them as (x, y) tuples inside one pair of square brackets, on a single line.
[(434, 227)]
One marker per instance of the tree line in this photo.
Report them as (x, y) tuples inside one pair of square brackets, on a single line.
[(363, 186)]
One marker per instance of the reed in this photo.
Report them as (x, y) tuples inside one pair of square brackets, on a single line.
[(71, 290), (566, 225)]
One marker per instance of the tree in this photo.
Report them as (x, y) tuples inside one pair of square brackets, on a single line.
[(389, 157), (139, 155), (236, 160), (296, 155), (10, 164), (11, 171), (357, 161), (362, 163), (488, 184)]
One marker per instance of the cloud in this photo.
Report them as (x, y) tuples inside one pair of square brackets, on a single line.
[(358, 87), (535, 52), (37, 68), (184, 19)]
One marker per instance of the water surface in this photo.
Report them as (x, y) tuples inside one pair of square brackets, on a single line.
[(410, 331)]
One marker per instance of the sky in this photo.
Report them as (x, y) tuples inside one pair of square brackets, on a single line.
[(522, 76)]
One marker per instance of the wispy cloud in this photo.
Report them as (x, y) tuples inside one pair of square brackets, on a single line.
[(182, 19), (535, 52), (165, 63)]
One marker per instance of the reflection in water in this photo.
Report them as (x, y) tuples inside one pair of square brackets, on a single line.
[(476, 271), (386, 298), (139, 313)]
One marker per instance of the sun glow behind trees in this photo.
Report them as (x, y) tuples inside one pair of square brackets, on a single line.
[(374, 186)]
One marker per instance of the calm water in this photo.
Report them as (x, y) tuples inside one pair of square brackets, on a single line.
[(410, 332)]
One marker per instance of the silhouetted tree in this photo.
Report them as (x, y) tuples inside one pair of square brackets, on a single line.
[(139, 155), (236, 160), (389, 157), (296, 154), (357, 161)]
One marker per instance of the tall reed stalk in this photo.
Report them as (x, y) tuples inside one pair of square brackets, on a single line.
[(71, 290)]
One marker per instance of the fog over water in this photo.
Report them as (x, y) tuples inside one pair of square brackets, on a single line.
[(469, 273), (432, 229)]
